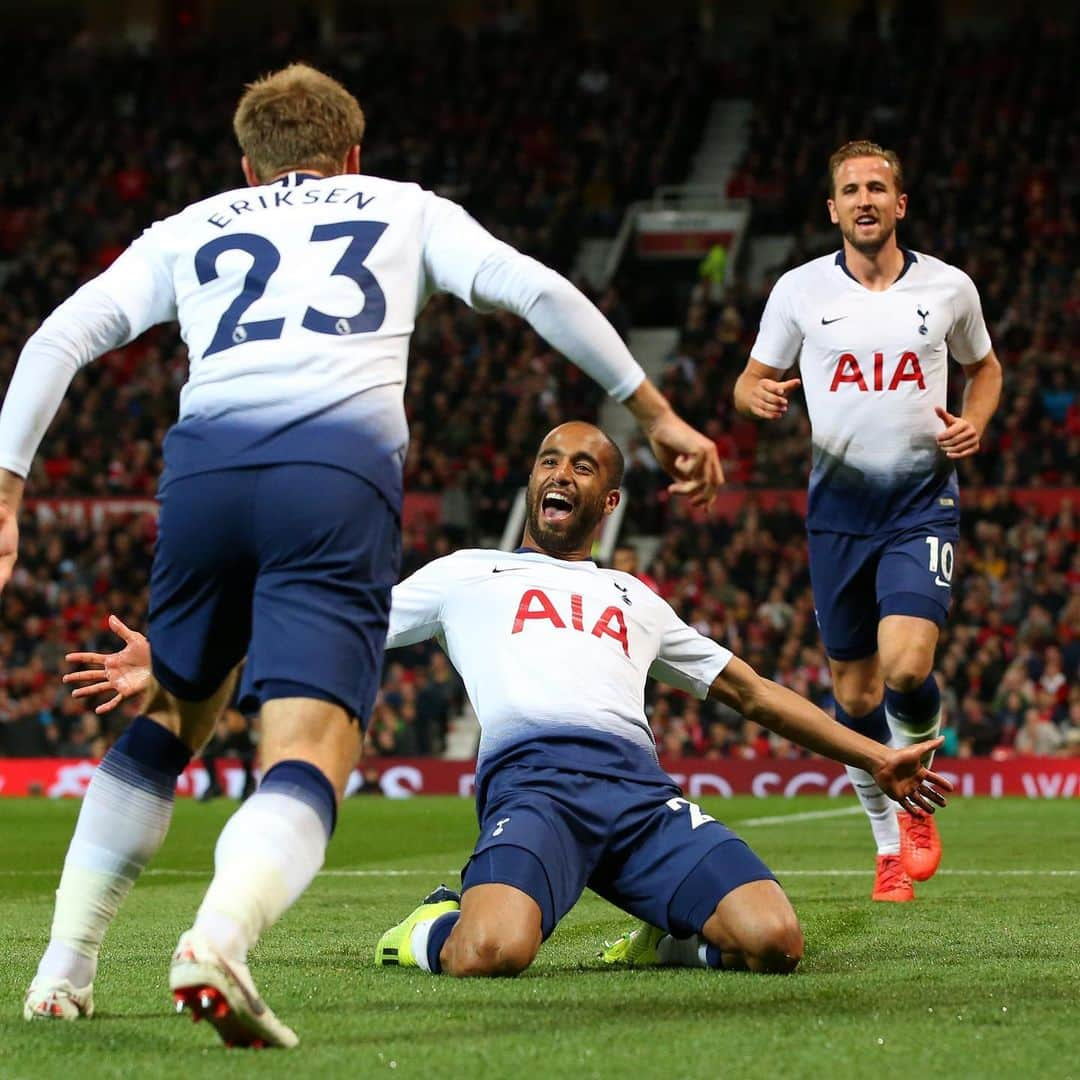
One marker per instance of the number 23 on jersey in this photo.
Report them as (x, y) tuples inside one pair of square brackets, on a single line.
[(265, 259)]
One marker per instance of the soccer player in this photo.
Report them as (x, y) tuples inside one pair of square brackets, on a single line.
[(280, 499), (871, 328), (554, 653)]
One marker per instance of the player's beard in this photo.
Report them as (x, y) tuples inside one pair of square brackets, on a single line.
[(867, 247), (568, 536)]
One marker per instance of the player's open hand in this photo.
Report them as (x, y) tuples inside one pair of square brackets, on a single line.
[(122, 674), (959, 439), (769, 398), (689, 457), (903, 777)]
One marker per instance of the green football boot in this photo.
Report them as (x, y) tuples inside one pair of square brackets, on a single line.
[(636, 948), (395, 946)]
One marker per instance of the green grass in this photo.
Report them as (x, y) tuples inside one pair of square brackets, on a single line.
[(980, 977)]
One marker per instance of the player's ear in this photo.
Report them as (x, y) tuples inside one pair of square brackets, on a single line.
[(833, 216), (249, 172), (901, 205), (611, 500)]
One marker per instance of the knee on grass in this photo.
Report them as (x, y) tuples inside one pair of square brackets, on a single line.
[(773, 945), (482, 953)]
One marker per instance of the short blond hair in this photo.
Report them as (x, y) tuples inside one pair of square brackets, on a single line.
[(297, 118), (865, 148)]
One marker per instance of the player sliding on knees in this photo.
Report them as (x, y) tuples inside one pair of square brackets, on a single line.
[(872, 328), (554, 653), (280, 505)]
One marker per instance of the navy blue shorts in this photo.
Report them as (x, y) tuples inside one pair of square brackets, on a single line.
[(289, 565), (858, 580), (553, 833)]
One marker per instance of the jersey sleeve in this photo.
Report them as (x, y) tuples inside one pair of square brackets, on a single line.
[(968, 340), (456, 245), (687, 660), (780, 336), (133, 294), (416, 604), (465, 259)]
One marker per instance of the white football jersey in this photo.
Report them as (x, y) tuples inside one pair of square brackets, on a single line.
[(873, 366), (554, 654), (296, 301)]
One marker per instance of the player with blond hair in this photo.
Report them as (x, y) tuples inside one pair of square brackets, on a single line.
[(871, 328), (280, 499)]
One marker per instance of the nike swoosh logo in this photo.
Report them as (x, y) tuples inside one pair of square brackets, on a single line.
[(254, 1004), (829, 322), (504, 569)]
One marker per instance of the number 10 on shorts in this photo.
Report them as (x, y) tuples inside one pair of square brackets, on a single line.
[(697, 816), (941, 559)]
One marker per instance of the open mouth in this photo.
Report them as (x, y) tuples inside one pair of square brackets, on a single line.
[(555, 506), (866, 220)]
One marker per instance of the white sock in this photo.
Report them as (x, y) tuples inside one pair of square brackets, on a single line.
[(880, 809), (266, 856), (904, 733), (124, 817), (682, 952), (418, 942)]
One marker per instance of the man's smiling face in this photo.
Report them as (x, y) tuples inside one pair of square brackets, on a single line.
[(866, 203), (570, 489)]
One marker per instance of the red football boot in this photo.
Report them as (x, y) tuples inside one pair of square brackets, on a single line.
[(920, 845), (892, 883)]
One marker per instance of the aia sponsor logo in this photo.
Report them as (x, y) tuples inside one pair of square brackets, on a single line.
[(536, 604), (873, 376)]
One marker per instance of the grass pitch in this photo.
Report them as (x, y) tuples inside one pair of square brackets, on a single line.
[(979, 977)]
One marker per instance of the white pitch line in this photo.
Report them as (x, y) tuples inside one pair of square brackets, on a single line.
[(808, 815), (388, 873), (940, 873)]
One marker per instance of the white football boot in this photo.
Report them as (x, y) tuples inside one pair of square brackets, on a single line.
[(57, 999), (222, 992)]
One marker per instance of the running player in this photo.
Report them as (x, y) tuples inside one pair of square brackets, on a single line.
[(279, 533), (872, 328), (554, 653)]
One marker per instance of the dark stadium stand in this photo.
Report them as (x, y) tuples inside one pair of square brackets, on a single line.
[(574, 138), (1008, 657)]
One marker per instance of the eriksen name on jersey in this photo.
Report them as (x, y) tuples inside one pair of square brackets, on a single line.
[(276, 199)]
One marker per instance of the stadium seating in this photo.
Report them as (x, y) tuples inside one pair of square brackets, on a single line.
[(575, 137)]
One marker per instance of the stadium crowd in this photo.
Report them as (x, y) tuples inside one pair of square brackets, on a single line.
[(1007, 663), (1008, 658), (574, 136)]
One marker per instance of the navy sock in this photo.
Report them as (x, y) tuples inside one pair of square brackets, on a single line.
[(152, 748), (714, 958), (437, 935), (302, 780), (915, 707), (873, 725)]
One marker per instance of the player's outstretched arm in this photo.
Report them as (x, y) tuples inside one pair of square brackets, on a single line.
[(122, 674), (760, 394), (899, 773), (103, 314), (685, 454), (463, 258)]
